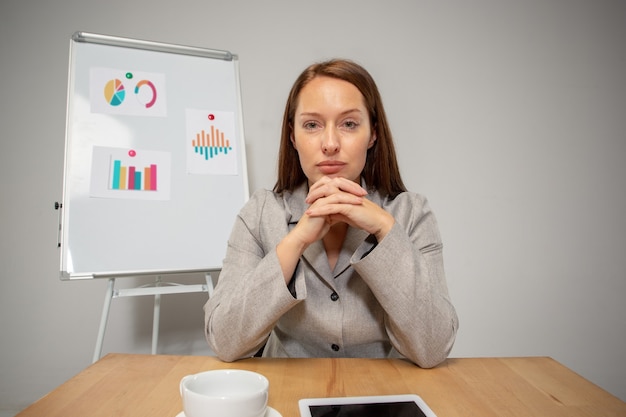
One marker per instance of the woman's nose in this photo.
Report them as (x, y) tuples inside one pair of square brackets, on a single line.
[(330, 144)]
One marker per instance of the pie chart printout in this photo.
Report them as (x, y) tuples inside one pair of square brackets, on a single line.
[(114, 92)]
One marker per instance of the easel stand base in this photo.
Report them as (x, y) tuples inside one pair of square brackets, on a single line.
[(156, 289)]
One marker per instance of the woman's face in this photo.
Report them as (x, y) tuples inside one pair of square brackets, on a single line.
[(331, 130)]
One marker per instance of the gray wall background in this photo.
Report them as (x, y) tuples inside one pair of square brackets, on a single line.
[(509, 115)]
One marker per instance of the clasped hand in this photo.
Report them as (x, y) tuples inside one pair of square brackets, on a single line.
[(334, 200)]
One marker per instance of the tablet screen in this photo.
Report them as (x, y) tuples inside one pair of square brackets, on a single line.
[(391, 409)]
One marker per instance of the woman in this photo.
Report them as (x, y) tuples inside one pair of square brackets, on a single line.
[(339, 260)]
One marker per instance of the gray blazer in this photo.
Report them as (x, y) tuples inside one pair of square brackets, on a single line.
[(383, 299)]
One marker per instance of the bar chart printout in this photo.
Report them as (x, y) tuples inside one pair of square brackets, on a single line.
[(210, 144), (133, 174), (130, 178)]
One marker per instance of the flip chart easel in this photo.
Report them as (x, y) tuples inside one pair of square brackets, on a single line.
[(157, 289), (155, 167)]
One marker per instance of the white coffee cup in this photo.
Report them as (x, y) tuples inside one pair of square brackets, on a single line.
[(224, 393)]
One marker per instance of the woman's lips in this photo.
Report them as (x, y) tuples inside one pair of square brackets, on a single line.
[(330, 167)]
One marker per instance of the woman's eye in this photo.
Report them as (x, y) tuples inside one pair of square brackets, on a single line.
[(309, 125), (350, 124)]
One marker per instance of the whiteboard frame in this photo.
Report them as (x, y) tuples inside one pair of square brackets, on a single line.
[(151, 45)]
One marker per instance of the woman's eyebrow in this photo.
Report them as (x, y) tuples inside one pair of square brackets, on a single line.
[(317, 114)]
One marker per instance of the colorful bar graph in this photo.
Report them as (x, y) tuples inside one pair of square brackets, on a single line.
[(211, 144), (131, 178)]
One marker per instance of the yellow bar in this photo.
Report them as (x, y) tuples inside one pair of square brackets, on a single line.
[(123, 178)]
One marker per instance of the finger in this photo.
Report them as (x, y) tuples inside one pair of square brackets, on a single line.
[(338, 183), (339, 197), (325, 207), (326, 187)]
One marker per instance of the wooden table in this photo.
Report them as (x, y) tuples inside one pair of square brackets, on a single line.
[(147, 385)]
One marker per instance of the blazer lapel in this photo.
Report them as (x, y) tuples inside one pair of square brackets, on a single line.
[(354, 238), (315, 256)]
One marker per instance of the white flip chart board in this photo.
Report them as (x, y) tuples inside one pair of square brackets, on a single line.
[(155, 167)]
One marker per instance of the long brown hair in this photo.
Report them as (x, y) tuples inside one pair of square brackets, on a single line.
[(381, 170)]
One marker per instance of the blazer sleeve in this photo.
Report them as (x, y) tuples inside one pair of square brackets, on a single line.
[(251, 294), (405, 273)]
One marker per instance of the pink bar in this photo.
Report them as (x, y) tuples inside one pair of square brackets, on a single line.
[(153, 177), (131, 178)]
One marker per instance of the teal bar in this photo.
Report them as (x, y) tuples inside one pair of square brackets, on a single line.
[(116, 174), (137, 180)]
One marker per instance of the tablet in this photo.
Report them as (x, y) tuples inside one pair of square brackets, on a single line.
[(406, 405)]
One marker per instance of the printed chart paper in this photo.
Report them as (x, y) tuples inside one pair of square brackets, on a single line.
[(210, 142), (130, 174)]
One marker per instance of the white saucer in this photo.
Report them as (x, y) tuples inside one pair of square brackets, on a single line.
[(270, 412)]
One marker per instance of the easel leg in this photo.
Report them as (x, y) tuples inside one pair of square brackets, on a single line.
[(156, 317), (210, 282), (108, 296)]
